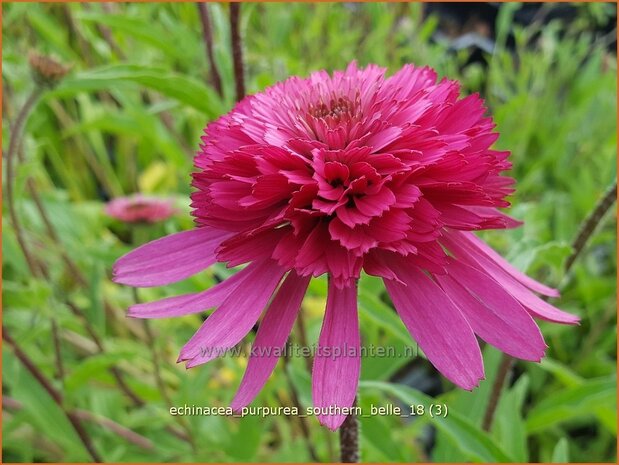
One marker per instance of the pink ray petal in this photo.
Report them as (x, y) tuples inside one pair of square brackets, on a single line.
[(169, 259), (477, 259), (492, 312), (437, 325), (529, 282), (231, 322), (272, 334), (335, 377), (192, 303)]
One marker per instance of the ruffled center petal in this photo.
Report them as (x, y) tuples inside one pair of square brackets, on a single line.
[(348, 165)]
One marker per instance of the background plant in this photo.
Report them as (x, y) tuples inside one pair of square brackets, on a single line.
[(128, 118)]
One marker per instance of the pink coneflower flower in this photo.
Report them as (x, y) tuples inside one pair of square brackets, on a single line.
[(138, 208), (339, 174)]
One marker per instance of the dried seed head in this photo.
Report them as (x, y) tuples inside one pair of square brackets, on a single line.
[(45, 70)]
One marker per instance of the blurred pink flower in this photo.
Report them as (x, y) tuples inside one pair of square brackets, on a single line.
[(339, 174), (138, 208)]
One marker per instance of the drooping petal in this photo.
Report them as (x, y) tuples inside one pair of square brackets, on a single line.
[(492, 312), (191, 303), (337, 361), (437, 325), (169, 259), (534, 305), (508, 267), (231, 322), (272, 334)]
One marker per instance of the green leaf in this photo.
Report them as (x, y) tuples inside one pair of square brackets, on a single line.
[(377, 431), (508, 426), (471, 404), (12, 255), (245, 442), (146, 31), (182, 88), (47, 417), (573, 403), (561, 452), (474, 443), (561, 372), (93, 368), (51, 32), (34, 295)]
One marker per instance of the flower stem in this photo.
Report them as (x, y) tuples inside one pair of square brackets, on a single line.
[(15, 140), (493, 402), (57, 352), (590, 224), (54, 394), (207, 34), (349, 438), (237, 50)]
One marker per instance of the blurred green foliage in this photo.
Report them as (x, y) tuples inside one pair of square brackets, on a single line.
[(129, 117)]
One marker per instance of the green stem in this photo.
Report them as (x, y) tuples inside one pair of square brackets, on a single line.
[(15, 140)]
